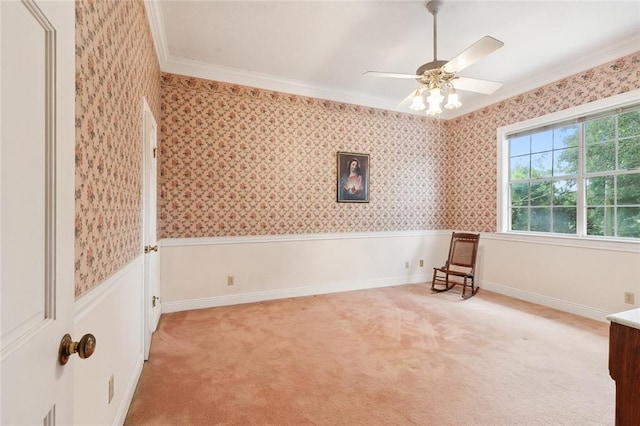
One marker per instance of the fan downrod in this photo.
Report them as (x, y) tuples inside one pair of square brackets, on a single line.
[(433, 7)]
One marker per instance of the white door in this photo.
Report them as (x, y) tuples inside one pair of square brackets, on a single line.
[(37, 87), (151, 301)]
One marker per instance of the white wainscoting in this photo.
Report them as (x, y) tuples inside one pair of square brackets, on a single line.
[(193, 272), (577, 275), (112, 312), (587, 277)]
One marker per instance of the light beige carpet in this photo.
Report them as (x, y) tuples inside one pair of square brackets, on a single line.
[(391, 356)]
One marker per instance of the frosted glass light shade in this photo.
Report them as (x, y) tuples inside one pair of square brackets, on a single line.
[(435, 99), (453, 101), (417, 104)]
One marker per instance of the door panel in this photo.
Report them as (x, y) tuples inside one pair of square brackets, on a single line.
[(37, 209), (151, 277), (26, 136)]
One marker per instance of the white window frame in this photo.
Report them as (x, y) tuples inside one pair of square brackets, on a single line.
[(602, 105)]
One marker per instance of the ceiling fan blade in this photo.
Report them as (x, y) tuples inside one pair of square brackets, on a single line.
[(475, 85), (390, 74), (473, 54)]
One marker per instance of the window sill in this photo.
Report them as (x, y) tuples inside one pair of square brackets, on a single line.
[(594, 243)]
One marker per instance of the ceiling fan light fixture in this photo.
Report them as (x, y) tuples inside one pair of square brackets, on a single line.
[(434, 111), (435, 95), (418, 103), (435, 99), (453, 101), (436, 76)]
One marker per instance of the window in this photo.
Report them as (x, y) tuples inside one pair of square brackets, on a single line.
[(578, 176)]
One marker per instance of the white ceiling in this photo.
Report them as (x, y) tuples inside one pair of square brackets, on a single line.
[(321, 48)]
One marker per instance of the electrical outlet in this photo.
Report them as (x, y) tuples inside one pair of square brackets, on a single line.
[(421, 263), (406, 265), (230, 280), (629, 298), (110, 388)]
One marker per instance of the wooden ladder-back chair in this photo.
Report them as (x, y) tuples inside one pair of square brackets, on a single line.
[(460, 265)]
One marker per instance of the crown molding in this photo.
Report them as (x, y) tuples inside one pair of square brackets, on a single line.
[(191, 68), (203, 70), (156, 24)]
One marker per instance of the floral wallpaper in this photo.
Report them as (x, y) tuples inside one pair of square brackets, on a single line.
[(237, 160), (116, 66), (471, 166), (243, 161)]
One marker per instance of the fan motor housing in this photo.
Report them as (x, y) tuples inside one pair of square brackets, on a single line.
[(430, 66)]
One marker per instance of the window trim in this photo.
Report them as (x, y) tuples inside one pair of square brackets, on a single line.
[(596, 107)]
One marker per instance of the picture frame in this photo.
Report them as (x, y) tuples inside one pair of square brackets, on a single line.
[(352, 177)]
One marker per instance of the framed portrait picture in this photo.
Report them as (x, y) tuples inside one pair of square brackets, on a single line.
[(353, 177)]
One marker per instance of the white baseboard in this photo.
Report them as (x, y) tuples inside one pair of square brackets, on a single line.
[(260, 296), (236, 299), (550, 302)]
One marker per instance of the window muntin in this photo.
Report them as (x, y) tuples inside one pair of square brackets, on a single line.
[(580, 178)]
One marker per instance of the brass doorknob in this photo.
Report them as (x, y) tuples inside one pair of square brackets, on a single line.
[(84, 348), (148, 249)]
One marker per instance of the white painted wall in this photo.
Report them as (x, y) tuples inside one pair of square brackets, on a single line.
[(585, 277), (113, 314), (193, 272)]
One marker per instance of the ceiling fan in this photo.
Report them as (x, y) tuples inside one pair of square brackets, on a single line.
[(438, 77)]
